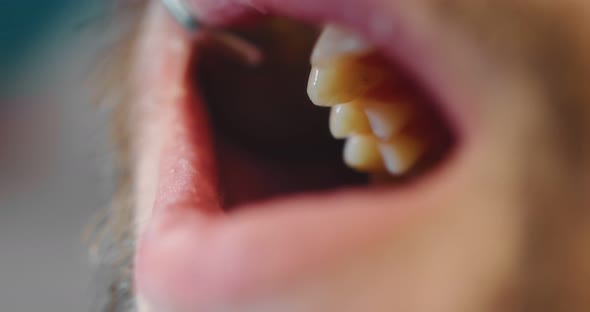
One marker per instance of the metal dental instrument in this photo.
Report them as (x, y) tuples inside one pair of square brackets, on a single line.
[(246, 51)]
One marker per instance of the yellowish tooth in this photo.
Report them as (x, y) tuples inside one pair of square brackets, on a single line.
[(346, 75), (336, 41), (342, 80), (401, 153), (347, 119), (361, 152), (387, 117)]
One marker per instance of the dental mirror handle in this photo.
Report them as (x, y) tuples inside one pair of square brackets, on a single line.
[(242, 49)]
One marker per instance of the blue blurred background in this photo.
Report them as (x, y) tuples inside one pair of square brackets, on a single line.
[(55, 165), (24, 25)]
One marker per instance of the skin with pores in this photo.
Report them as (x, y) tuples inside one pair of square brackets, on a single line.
[(504, 228)]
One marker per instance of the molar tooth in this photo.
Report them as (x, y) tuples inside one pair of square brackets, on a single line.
[(343, 80), (347, 119), (401, 153), (336, 41), (361, 152), (387, 117)]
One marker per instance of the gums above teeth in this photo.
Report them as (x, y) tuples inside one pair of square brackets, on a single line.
[(366, 109)]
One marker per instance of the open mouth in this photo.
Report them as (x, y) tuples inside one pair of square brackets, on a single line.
[(256, 183), (270, 138)]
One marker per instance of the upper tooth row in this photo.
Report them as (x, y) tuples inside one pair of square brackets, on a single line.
[(344, 77)]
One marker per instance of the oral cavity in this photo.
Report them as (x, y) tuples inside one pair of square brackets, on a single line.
[(385, 128)]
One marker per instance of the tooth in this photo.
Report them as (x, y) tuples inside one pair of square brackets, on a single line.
[(347, 119), (401, 153), (361, 152), (387, 117), (343, 80), (346, 71), (342, 68), (336, 41)]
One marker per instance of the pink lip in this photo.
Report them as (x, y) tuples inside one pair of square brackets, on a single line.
[(194, 255)]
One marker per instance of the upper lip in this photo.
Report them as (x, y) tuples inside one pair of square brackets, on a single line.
[(196, 254)]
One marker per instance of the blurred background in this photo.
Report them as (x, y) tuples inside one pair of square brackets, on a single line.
[(55, 164)]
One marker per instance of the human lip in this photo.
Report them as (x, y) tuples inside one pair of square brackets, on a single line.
[(194, 254)]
